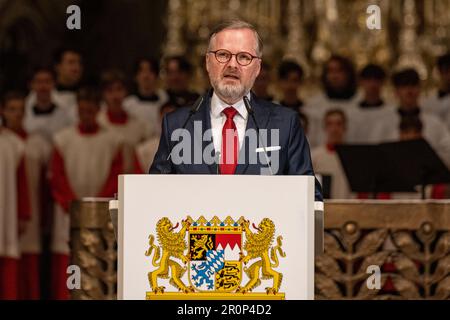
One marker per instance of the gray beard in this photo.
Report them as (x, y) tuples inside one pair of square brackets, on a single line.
[(230, 92)]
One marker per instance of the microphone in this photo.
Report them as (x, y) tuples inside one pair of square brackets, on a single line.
[(195, 107), (217, 160), (250, 111)]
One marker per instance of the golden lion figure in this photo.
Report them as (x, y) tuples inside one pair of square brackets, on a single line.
[(258, 245), (173, 244), (199, 246)]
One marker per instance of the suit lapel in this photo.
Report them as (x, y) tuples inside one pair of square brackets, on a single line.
[(262, 114), (204, 116)]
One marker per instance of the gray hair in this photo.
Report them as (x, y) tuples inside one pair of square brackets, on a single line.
[(235, 25)]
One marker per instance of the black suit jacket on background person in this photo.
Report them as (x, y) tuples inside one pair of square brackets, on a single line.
[(294, 155)]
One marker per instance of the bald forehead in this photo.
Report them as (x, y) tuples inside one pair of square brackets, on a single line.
[(235, 40)]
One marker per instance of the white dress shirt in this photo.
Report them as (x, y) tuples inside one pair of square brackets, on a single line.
[(218, 120)]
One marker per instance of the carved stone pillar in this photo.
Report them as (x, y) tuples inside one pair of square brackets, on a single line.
[(93, 250)]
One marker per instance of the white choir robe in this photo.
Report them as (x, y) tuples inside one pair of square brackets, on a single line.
[(326, 162), (82, 165), (315, 109), (145, 153), (67, 100), (128, 130), (387, 129), (147, 111), (361, 122), (440, 107), (10, 156), (37, 155), (46, 125), (11, 210)]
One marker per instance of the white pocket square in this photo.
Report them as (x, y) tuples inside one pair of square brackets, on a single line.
[(268, 149)]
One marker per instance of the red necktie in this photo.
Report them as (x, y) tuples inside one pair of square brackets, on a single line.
[(230, 144)]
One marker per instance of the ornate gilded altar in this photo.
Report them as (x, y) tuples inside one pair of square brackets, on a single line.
[(413, 32)]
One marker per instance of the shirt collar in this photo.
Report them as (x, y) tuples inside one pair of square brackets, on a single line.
[(41, 112), (217, 106)]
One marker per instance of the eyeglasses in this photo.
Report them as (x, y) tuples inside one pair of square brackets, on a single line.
[(224, 56)]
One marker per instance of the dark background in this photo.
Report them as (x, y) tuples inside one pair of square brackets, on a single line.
[(114, 33)]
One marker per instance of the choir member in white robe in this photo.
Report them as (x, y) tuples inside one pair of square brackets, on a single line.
[(438, 102), (86, 161), (339, 92), (325, 159), (43, 114), (36, 153), (178, 78), (113, 116), (14, 210), (363, 116), (145, 151), (69, 72), (407, 90), (145, 103), (290, 77)]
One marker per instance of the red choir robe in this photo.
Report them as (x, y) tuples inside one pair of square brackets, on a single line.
[(36, 155), (84, 163), (128, 129), (14, 207)]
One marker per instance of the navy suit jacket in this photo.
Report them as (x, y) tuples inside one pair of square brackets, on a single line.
[(293, 158)]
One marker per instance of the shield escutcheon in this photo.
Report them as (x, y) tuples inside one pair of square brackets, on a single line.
[(214, 249)]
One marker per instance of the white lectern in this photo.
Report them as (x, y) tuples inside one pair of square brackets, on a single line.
[(216, 237)]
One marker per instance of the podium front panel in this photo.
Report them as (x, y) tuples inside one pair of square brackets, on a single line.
[(216, 237)]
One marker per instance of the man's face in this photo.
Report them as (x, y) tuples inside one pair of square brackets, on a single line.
[(177, 80), (70, 69), (114, 94), (42, 84), (336, 76), (371, 87), (145, 76), (291, 84), (13, 112), (408, 95), (87, 112), (230, 80), (335, 128)]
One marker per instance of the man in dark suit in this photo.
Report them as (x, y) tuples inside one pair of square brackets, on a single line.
[(221, 135)]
